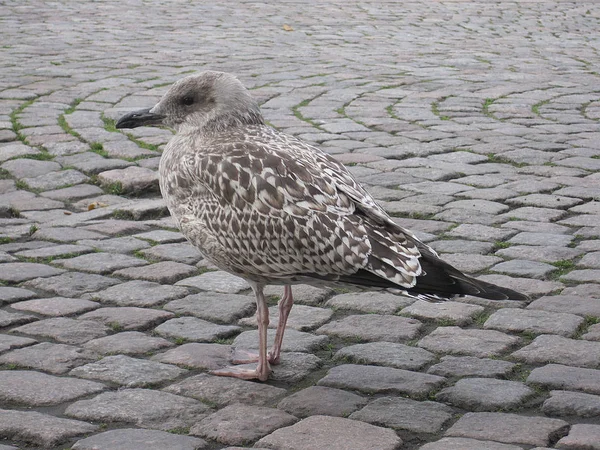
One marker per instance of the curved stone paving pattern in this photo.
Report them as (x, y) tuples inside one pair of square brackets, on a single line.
[(476, 124)]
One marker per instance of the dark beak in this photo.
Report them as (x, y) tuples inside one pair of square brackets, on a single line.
[(140, 118)]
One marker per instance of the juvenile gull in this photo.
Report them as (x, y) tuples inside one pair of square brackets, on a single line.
[(272, 209)]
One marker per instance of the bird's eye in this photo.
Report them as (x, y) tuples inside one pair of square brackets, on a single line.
[(187, 100)]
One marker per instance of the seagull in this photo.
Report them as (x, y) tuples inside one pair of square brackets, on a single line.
[(272, 209)]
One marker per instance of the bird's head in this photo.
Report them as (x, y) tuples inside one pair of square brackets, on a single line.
[(209, 100)]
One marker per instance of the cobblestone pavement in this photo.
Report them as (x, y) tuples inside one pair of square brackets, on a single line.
[(475, 123)]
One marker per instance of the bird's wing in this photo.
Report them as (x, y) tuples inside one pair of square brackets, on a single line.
[(283, 209)]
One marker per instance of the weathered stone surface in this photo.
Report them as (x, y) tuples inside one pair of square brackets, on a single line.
[(140, 293), (374, 379), (56, 306), (66, 234), (54, 251), (241, 424), (405, 414), (194, 329), (574, 304), (128, 317), (386, 354), (480, 233), (373, 327), (456, 312), (509, 428), (55, 180), (293, 340), (471, 342), (560, 350), (143, 407), (131, 179), (375, 302), (8, 342), (304, 294), (582, 276), (218, 281), (320, 400), (125, 244), (469, 366), (581, 436), (71, 284), (197, 356), (467, 444), (224, 391), (101, 263), (530, 238), (135, 439), (319, 432), (53, 358), (40, 429), (301, 318), (224, 308), (67, 331), (162, 236), (7, 319), (127, 343), (73, 193), (179, 252), (28, 168), (525, 285), (38, 389), (13, 294), (485, 394), (127, 371), (593, 333), (556, 376), (523, 268), (167, 272), (15, 272), (548, 254), (567, 403), (294, 367), (533, 321)]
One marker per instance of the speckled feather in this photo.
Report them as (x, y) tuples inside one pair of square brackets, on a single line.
[(274, 210)]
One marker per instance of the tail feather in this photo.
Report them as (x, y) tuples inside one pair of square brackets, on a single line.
[(438, 280)]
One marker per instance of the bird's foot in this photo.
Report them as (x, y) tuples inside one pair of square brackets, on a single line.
[(241, 356), (243, 372)]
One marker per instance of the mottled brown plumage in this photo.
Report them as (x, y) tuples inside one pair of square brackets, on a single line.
[(272, 209)]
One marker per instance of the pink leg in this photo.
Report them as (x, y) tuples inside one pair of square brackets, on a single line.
[(285, 306), (263, 369)]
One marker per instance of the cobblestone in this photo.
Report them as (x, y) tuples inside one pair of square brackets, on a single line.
[(458, 341), (38, 389), (143, 407), (557, 349), (225, 391), (320, 400), (386, 354), (485, 394), (127, 371), (48, 357), (405, 414), (469, 366), (241, 424), (509, 428), (374, 379), (318, 432), (533, 321), (373, 327), (556, 376), (135, 439), (491, 157), (567, 403)]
